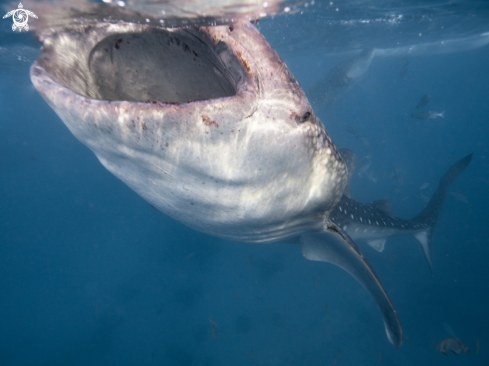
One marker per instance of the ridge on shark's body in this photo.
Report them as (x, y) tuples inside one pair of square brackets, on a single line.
[(374, 223)]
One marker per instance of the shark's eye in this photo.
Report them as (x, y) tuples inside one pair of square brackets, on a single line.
[(305, 117)]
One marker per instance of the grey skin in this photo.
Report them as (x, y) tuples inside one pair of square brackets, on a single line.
[(374, 223), (210, 127)]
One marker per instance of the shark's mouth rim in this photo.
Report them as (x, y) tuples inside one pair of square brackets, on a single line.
[(220, 74)]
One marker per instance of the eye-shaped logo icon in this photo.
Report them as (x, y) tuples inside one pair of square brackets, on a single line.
[(20, 17)]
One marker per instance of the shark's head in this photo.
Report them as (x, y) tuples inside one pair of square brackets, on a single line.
[(207, 124)]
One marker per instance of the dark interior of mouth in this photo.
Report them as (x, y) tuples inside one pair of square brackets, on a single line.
[(165, 66)]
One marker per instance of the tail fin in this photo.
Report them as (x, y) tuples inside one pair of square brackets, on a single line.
[(432, 210)]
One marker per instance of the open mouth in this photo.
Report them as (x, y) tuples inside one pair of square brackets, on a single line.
[(169, 66)]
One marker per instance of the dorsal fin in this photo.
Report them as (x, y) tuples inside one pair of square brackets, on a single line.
[(383, 206), (350, 160)]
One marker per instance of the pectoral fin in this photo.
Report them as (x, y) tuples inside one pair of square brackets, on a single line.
[(336, 247)]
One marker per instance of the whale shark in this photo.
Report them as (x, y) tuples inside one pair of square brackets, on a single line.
[(340, 77), (374, 222), (210, 127)]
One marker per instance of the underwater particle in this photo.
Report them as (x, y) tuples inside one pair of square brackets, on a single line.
[(243, 324)]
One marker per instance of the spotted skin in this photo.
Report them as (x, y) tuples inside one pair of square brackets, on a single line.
[(364, 221), (374, 223)]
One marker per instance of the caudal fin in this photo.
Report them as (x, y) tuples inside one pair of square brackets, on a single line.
[(429, 216)]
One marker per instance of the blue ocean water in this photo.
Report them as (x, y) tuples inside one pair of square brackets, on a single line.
[(91, 274)]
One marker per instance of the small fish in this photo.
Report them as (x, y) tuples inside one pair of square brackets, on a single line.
[(390, 256), (478, 345), (425, 99), (366, 162), (364, 140), (428, 114), (460, 197), (398, 176), (380, 357), (351, 130), (338, 355), (326, 307), (190, 255), (371, 176), (315, 280), (451, 344), (251, 354), (404, 68), (424, 186), (214, 328)]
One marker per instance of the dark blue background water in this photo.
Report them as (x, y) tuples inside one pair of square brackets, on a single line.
[(90, 274)]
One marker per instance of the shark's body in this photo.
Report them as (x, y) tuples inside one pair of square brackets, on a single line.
[(374, 223)]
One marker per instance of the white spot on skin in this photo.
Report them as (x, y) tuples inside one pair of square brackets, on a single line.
[(377, 223), (361, 220), (345, 227), (352, 216), (341, 209)]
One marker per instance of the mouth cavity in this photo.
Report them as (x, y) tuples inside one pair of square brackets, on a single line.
[(157, 65)]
